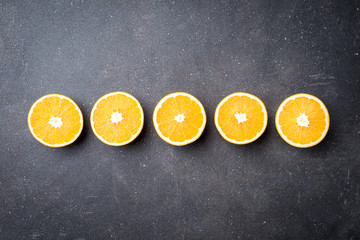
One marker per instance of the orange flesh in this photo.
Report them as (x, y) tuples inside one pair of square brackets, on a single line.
[(245, 130), (174, 130), (55, 106), (301, 134), (123, 130)]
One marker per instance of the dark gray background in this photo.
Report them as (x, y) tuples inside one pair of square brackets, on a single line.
[(210, 189)]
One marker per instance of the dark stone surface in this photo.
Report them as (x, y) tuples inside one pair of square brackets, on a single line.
[(210, 189)]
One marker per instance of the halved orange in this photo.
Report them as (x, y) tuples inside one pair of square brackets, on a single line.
[(179, 118), (117, 118), (241, 118), (55, 120), (302, 120)]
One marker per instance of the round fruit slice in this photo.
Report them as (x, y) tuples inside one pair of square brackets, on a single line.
[(241, 118), (302, 120), (117, 118), (179, 118), (55, 120)]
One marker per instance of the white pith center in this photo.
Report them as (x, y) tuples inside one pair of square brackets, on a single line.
[(180, 118), (241, 117), (116, 117), (55, 122), (303, 120)]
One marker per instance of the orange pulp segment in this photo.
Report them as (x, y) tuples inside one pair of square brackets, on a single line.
[(241, 118), (302, 120), (117, 118), (179, 118), (55, 120)]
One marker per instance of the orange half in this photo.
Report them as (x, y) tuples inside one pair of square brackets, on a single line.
[(117, 118), (302, 120), (55, 120), (241, 118), (179, 118)]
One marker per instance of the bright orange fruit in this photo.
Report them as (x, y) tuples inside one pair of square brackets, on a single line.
[(55, 120), (179, 118), (117, 118), (302, 120), (241, 118)]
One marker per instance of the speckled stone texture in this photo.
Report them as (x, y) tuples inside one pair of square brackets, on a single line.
[(210, 189)]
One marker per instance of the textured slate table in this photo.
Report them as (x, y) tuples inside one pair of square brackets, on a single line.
[(210, 189)]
